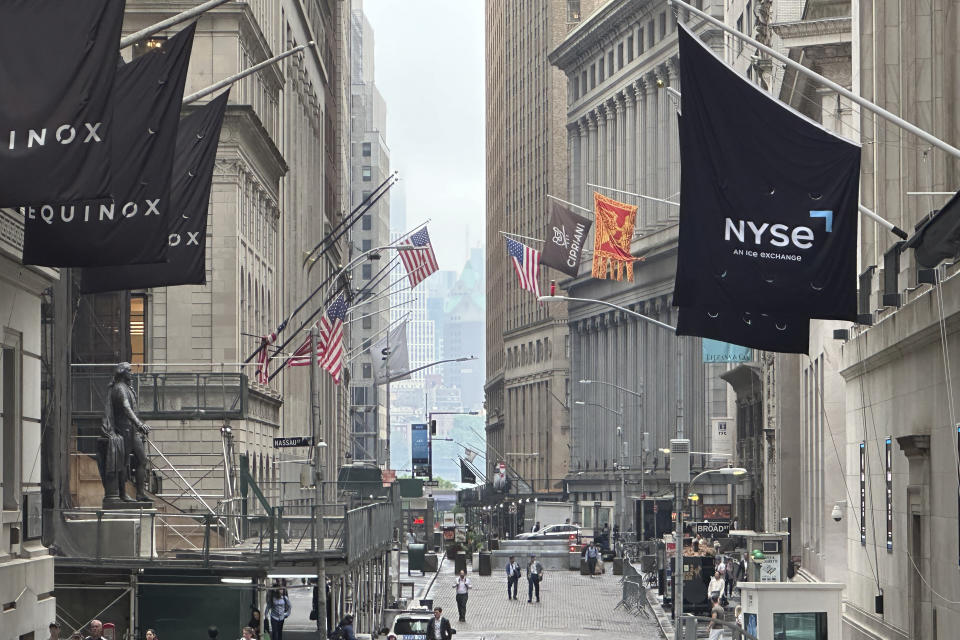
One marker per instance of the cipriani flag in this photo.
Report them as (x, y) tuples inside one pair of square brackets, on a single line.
[(567, 234), (147, 97), (419, 260), (197, 139), (58, 61), (526, 262), (768, 200)]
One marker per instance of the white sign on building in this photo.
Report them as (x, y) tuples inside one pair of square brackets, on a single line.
[(721, 438)]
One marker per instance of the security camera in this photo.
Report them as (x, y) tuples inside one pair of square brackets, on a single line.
[(836, 514)]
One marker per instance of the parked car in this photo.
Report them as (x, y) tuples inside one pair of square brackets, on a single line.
[(552, 532), (410, 625)]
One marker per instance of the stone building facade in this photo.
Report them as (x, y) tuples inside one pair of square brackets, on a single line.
[(527, 349)]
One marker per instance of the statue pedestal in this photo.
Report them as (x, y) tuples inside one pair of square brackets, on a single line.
[(114, 503), (119, 532)]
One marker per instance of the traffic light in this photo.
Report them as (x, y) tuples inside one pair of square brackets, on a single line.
[(433, 427)]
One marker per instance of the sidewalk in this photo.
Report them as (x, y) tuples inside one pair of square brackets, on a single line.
[(572, 607)]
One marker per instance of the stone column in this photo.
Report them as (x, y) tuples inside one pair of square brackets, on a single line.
[(600, 175), (591, 147), (650, 166), (573, 159), (611, 168), (663, 147), (581, 186), (622, 121), (629, 153), (673, 78), (639, 90)]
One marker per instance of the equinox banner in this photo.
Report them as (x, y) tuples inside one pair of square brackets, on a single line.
[(567, 234), (768, 200), (147, 97), (196, 153), (57, 66)]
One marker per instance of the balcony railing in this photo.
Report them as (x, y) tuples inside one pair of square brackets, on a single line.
[(165, 395)]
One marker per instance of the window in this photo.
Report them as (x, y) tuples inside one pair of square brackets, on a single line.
[(367, 271), (650, 34), (10, 372), (365, 245), (663, 25), (365, 149), (749, 19), (802, 626), (359, 395), (583, 82), (367, 223), (367, 322), (575, 88), (610, 63), (364, 195), (620, 56), (138, 329), (573, 10), (593, 76), (601, 70), (630, 48), (366, 369), (740, 29), (365, 173), (146, 46)]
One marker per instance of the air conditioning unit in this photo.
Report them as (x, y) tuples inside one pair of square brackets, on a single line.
[(680, 460)]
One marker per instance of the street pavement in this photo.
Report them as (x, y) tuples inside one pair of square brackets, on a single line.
[(571, 607)]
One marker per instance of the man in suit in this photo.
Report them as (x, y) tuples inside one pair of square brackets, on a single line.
[(439, 627), (513, 578)]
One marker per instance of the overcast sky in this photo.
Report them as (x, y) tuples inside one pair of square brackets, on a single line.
[(429, 68)]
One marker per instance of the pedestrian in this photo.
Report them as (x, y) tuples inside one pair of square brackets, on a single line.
[(536, 526), (731, 579), (76, 635), (344, 630), (255, 622), (616, 533), (592, 553), (278, 604), (738, 613), (247, 633), (716, 617), (439, 627), (212, 632), (715, 589), (462, 585), (152, 635), (54, 631), (534, 576), (96, 630), (513, 578), (411, 538)]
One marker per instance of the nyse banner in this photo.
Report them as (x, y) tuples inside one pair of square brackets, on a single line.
[(566, 235), (783, 334), (768, 214), (196, 154), (147, 97), (57, 68)]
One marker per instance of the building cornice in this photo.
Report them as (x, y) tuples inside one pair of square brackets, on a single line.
[(601, 28)]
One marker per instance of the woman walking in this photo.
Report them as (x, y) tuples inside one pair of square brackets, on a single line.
[(278, 604)]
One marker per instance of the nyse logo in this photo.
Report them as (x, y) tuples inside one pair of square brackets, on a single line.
[(776, 235)]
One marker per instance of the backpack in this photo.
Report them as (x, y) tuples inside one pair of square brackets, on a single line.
[(336, 634)]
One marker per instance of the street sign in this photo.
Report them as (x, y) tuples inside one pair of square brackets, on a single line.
[(282, 443), (715, 529), (512, 508), (431, 483)]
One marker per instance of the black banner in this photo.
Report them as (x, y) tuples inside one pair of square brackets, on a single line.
[(768, 200), (466, 475), (937, 236), (147, 97), (196, 153), (566, 236), (57, 68), (756, 330)]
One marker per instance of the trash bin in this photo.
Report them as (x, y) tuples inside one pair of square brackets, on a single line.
[(484, 568), (460, 562), (430, 563), (618, 566), (415, 558)]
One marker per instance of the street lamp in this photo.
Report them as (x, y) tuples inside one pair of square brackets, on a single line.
[(643, 454), (623, 479), (678, 536)]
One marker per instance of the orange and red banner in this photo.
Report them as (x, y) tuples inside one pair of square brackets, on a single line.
[(611, 243)]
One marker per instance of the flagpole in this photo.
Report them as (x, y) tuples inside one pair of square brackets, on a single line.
[(570, 204), (143, 34), (638, 195), (375, 313), (889, 226), (863, 102), (226, 82), (517, 235)]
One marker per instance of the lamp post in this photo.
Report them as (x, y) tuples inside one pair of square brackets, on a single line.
[(623, 479), (643, 453), (678, 535)]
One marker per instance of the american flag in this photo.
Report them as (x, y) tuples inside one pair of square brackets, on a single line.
[(421, 261), (263, 359), (526, 262), (329, 342)]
